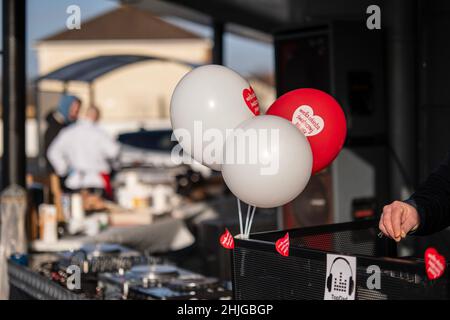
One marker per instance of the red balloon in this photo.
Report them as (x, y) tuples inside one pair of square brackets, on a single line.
[(319, 117)]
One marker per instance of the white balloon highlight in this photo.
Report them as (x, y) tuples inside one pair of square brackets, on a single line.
[(207, 102), (267, 161)]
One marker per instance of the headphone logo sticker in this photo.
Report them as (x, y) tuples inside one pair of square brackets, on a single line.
[(340, 278)]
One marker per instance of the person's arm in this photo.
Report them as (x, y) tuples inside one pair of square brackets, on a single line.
[(425, 212), (56, 155), (110, 148), (432, 200)]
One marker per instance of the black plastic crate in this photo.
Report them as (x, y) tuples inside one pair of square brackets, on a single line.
[(260, 272)]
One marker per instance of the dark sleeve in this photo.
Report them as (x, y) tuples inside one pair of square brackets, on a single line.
[(432, 200), (50, 134)]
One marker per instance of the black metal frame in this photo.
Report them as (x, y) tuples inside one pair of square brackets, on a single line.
[(14, 92), (389, 246), (265, 241), (25, 283)]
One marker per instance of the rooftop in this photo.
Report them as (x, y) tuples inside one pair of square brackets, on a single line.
[(124, 23)]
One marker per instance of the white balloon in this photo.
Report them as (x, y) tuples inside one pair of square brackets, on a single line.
[(272, 166), (206, 103)]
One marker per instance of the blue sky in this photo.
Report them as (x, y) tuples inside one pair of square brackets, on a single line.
[(49, 16)]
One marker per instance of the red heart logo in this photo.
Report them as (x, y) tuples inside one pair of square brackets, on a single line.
[(251, 100), (434, 263), (227, 240), (282, 245)]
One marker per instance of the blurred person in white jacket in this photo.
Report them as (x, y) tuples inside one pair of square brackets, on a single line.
[(83, 152)]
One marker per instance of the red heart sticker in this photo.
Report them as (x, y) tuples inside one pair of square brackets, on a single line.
[(282, 245), (434, 263), (251, 100), (227, 240)]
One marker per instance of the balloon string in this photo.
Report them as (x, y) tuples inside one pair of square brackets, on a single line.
[(249, 227), (246, 219), (240, 214)]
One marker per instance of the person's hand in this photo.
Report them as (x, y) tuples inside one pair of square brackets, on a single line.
[(398, 219)]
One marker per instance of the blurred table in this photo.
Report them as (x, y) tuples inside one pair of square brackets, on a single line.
[(167, 234)]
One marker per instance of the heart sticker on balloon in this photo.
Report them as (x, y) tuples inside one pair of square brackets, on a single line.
[(308, 123), (282, 245), (227, 240), (251, 100), (434, 263)]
